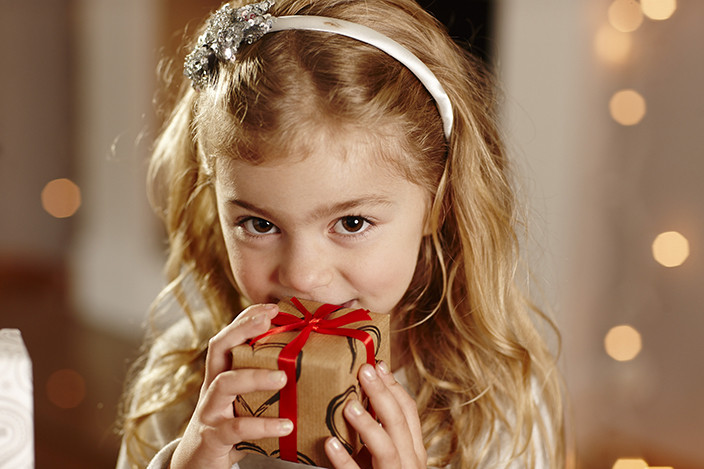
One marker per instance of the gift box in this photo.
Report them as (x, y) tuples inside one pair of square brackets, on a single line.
[(321, 347), (16, 414)]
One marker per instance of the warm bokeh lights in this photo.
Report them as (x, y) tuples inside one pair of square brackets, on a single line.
[(658, 9), (615, 43), (61, 198), (66, 388), (670, 249), (625, 15), (611, 45), (627, 107), (623, 343)]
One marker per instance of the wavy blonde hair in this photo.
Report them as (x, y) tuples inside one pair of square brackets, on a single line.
[(482, 375)]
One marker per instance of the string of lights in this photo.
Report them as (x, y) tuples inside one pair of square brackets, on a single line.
[(613, 44)]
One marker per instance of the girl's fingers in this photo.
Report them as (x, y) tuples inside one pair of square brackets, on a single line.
[(217, 401), (408, 407), (337, 454), (398, 442), (251, 322), (210, 445), (255, 428), (384, 450), (213, 429), (391, 414)]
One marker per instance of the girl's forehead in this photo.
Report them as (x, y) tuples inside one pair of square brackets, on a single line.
[(286, 186), (344, 156)]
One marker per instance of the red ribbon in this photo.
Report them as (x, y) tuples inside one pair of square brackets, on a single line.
[(317, 322)]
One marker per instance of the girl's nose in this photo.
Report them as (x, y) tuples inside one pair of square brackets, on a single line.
[(304, 269)]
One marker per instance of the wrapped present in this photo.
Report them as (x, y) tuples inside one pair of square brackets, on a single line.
[(16, 414), (321, 348)]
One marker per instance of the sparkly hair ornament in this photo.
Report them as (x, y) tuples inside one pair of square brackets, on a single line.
[(228, 28)]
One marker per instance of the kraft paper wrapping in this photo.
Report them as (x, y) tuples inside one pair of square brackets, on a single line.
[(16, 410), (327, 370)]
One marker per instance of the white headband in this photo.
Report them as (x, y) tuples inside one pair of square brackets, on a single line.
[(227, 28)]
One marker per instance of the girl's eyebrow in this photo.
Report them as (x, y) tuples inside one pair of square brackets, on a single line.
[(349, 205), (323, 211), (250, 207)]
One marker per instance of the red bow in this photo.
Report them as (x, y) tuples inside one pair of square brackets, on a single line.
[(288, 404)]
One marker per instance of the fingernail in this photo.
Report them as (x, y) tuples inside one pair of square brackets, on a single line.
[(277, 377), (335, 444), (368, 372), (383, 368), (271, 310), (355, 408), (285, 427)]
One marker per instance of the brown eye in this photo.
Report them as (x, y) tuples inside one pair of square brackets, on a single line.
[(351, 225), (259, 226)]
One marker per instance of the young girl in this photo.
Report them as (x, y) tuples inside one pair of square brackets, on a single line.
[(350, 159)]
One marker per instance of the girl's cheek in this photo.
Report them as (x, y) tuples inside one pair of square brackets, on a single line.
[(251, 274)]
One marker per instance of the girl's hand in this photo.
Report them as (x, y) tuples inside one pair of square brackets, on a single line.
[(395, 444), (213, 430)]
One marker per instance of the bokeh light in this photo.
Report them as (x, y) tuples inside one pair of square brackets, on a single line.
[(66, 388), (625, 15), (611, 45), (61, 198), (627, 107), (630, 463), (623, 343), (670, 249), (658, 9)]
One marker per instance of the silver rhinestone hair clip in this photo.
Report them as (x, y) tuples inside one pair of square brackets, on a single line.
[(227, 28)]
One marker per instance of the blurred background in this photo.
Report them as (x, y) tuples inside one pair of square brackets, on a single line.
[(604, 114)]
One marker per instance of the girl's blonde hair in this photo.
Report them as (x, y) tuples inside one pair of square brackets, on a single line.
[(481, 373)]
